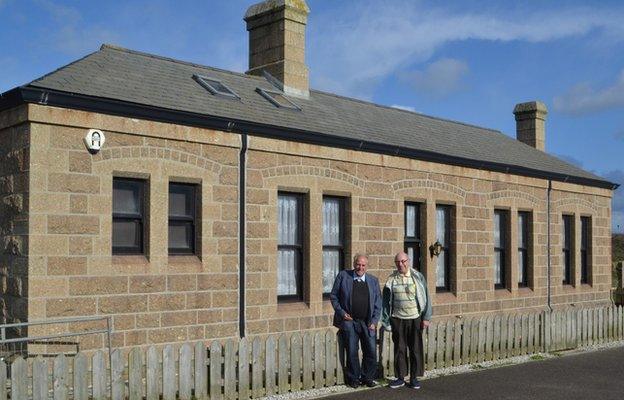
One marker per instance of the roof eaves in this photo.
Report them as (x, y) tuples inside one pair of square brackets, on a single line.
[(33, 94)]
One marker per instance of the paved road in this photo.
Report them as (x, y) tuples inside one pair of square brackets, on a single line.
[(595, 375)]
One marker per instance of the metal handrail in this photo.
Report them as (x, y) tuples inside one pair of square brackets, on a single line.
[(53, 321), (107, 331), (4, 327)]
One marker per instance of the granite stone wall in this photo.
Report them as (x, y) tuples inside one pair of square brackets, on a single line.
[(157, 298), (14, 200)]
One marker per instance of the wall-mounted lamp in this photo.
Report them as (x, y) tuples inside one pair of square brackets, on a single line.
[(436, 248)]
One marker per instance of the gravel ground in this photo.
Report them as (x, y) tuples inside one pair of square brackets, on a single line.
[(328, 391)]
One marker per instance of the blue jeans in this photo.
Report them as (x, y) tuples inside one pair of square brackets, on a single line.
[(356, 333)]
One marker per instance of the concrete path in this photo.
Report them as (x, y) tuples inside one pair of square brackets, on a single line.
[(597, 375)]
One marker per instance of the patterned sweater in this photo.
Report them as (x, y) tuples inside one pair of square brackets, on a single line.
[(421, 300)]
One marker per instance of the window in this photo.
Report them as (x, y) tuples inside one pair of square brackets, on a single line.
[(567, 249), (128, 216), (290, 247), (182, 218), (333, 239), (585, 247), (524, 219), (216, 87), (501, 224), (443, 236), (278, 99), (412, 241)]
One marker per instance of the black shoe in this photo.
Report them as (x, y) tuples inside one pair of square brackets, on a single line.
[(397, 383), (371, 383), (414, 384), (354, 384)]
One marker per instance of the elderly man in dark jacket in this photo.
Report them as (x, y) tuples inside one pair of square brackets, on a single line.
[(356, 299)]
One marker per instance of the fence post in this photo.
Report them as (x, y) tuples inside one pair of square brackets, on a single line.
[(229, 369), (61, 378), (169, 373), (19, 375), (135, 374), (283, 353), (216, 363), (153, 373), (243, 370), (185, 371), (40, 379), (330, 358), (295, 361), (545, 331), (98, 376), (3, 380), (117, 369), (269, 366)]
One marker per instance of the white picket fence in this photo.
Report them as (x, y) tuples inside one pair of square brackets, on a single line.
[(286, 363)]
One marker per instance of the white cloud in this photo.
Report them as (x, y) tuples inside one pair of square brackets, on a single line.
[(73, 35), (404, 108), (438, 79), (377, 38), (583, 99)]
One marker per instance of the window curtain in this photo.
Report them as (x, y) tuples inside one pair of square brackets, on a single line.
[(331, 237), (441, 225), (287, 259)]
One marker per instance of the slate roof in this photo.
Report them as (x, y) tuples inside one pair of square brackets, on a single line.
[(139, 78)]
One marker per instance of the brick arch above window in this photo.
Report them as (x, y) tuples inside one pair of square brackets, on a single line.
[(312, 171), (522, 198), (159, 153), (430, 184), (569, 203)]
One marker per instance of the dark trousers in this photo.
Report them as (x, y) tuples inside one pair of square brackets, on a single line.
[(407, 335), (356, 333)]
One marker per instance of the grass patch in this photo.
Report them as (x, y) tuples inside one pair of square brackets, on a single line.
[(537, 357), (477, 366)]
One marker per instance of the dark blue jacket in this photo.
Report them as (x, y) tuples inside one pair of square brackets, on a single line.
[(340, 297)]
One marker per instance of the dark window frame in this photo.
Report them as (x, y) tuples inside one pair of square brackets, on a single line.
[(205, 82), (299, 248), (342, 247), (137, 218), (185, 220), (268, 94), (585, 249), (567, 248), (503, 250), (446, 249), (525, 249), (413, 242)]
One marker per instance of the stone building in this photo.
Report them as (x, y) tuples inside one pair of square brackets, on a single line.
[(222, 204)]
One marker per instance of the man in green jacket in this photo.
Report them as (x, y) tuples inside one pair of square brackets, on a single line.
[(406, 311)]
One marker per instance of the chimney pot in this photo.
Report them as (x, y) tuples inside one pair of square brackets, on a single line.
[(530, 123), (277, 43)]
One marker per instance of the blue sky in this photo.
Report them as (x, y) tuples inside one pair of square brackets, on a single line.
[(466, 61)]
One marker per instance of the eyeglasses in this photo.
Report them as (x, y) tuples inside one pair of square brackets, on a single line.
[(402, 261)]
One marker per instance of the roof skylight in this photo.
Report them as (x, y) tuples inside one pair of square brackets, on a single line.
[(215, 86), (278, 99)]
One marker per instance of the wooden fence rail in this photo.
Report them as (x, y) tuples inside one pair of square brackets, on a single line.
[(279, 364)]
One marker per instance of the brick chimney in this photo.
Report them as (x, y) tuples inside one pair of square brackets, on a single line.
[(277, 43), (530, 123)]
